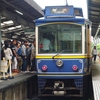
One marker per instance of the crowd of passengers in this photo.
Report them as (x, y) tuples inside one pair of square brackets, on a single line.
[(21, 54)]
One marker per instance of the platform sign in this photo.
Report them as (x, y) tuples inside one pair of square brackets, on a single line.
[(59, 11)]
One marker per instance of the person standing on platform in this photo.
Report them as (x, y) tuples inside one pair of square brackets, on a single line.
[(19, 52), (28, 53), (33, 52), (7, 54), (24, 57), (94, 53), (14, 58)]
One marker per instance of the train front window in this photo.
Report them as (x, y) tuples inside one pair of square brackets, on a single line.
[(60, 38)]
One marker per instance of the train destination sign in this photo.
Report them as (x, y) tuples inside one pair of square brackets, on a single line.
[(59, 11), (63, 10)]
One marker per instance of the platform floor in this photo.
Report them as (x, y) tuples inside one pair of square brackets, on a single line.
[(17, 79), (96, 78)]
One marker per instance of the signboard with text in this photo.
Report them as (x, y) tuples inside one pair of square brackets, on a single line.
[(59, 11)]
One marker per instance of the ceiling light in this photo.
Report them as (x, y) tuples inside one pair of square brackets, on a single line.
[(8, 22), (3, 17), (14, 36), (19, 26), (4, 30), (23, 38), (19, 12), (2, 24), (11, 28), (98, 25)]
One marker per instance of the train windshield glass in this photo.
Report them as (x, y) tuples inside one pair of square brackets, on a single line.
[(55, 38)]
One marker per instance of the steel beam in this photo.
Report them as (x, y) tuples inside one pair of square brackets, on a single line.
[(16, 1), (90, 9), (91, 4), (96, 20), (96, 15), (15, 30), (18, 8), (16, 18)]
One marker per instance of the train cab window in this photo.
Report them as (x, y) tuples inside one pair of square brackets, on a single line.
[(60, 38)]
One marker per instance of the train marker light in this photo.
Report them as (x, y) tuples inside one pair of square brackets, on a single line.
[(44, 67), (75, 67)]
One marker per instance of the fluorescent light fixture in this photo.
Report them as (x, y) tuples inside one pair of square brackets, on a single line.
[(4, 30), (2, 24), (8, 22), (14, 36), (19, 26), (99, 25), (11, 28), (23, 38), (3, 17), (19, 12)]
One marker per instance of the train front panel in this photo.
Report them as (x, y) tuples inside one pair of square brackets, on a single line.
[(62, 53)]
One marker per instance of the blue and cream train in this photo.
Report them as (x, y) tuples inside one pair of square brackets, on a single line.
[(65, 68)]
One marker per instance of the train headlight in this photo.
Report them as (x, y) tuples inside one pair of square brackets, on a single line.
[(59, 63), (44, 68), (75, 68)]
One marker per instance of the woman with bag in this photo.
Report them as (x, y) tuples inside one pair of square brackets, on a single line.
[(8, 54)]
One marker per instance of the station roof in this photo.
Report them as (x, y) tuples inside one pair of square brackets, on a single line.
[(94, 16), (18, 15)]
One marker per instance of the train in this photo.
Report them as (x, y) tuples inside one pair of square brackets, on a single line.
[(63, 53)]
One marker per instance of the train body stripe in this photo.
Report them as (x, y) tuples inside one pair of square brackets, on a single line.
[(66, 56)]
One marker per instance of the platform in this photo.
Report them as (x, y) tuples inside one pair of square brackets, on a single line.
[(22, 87), (96, 78)]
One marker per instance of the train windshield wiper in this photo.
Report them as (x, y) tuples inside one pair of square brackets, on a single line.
[(58, 54)]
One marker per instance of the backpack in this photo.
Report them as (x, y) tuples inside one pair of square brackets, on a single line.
[(19, 52)]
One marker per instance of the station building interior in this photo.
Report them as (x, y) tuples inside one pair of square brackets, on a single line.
[(17, 23)]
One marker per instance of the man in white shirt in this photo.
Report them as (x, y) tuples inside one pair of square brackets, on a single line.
[(94, 53), (46, 44)]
